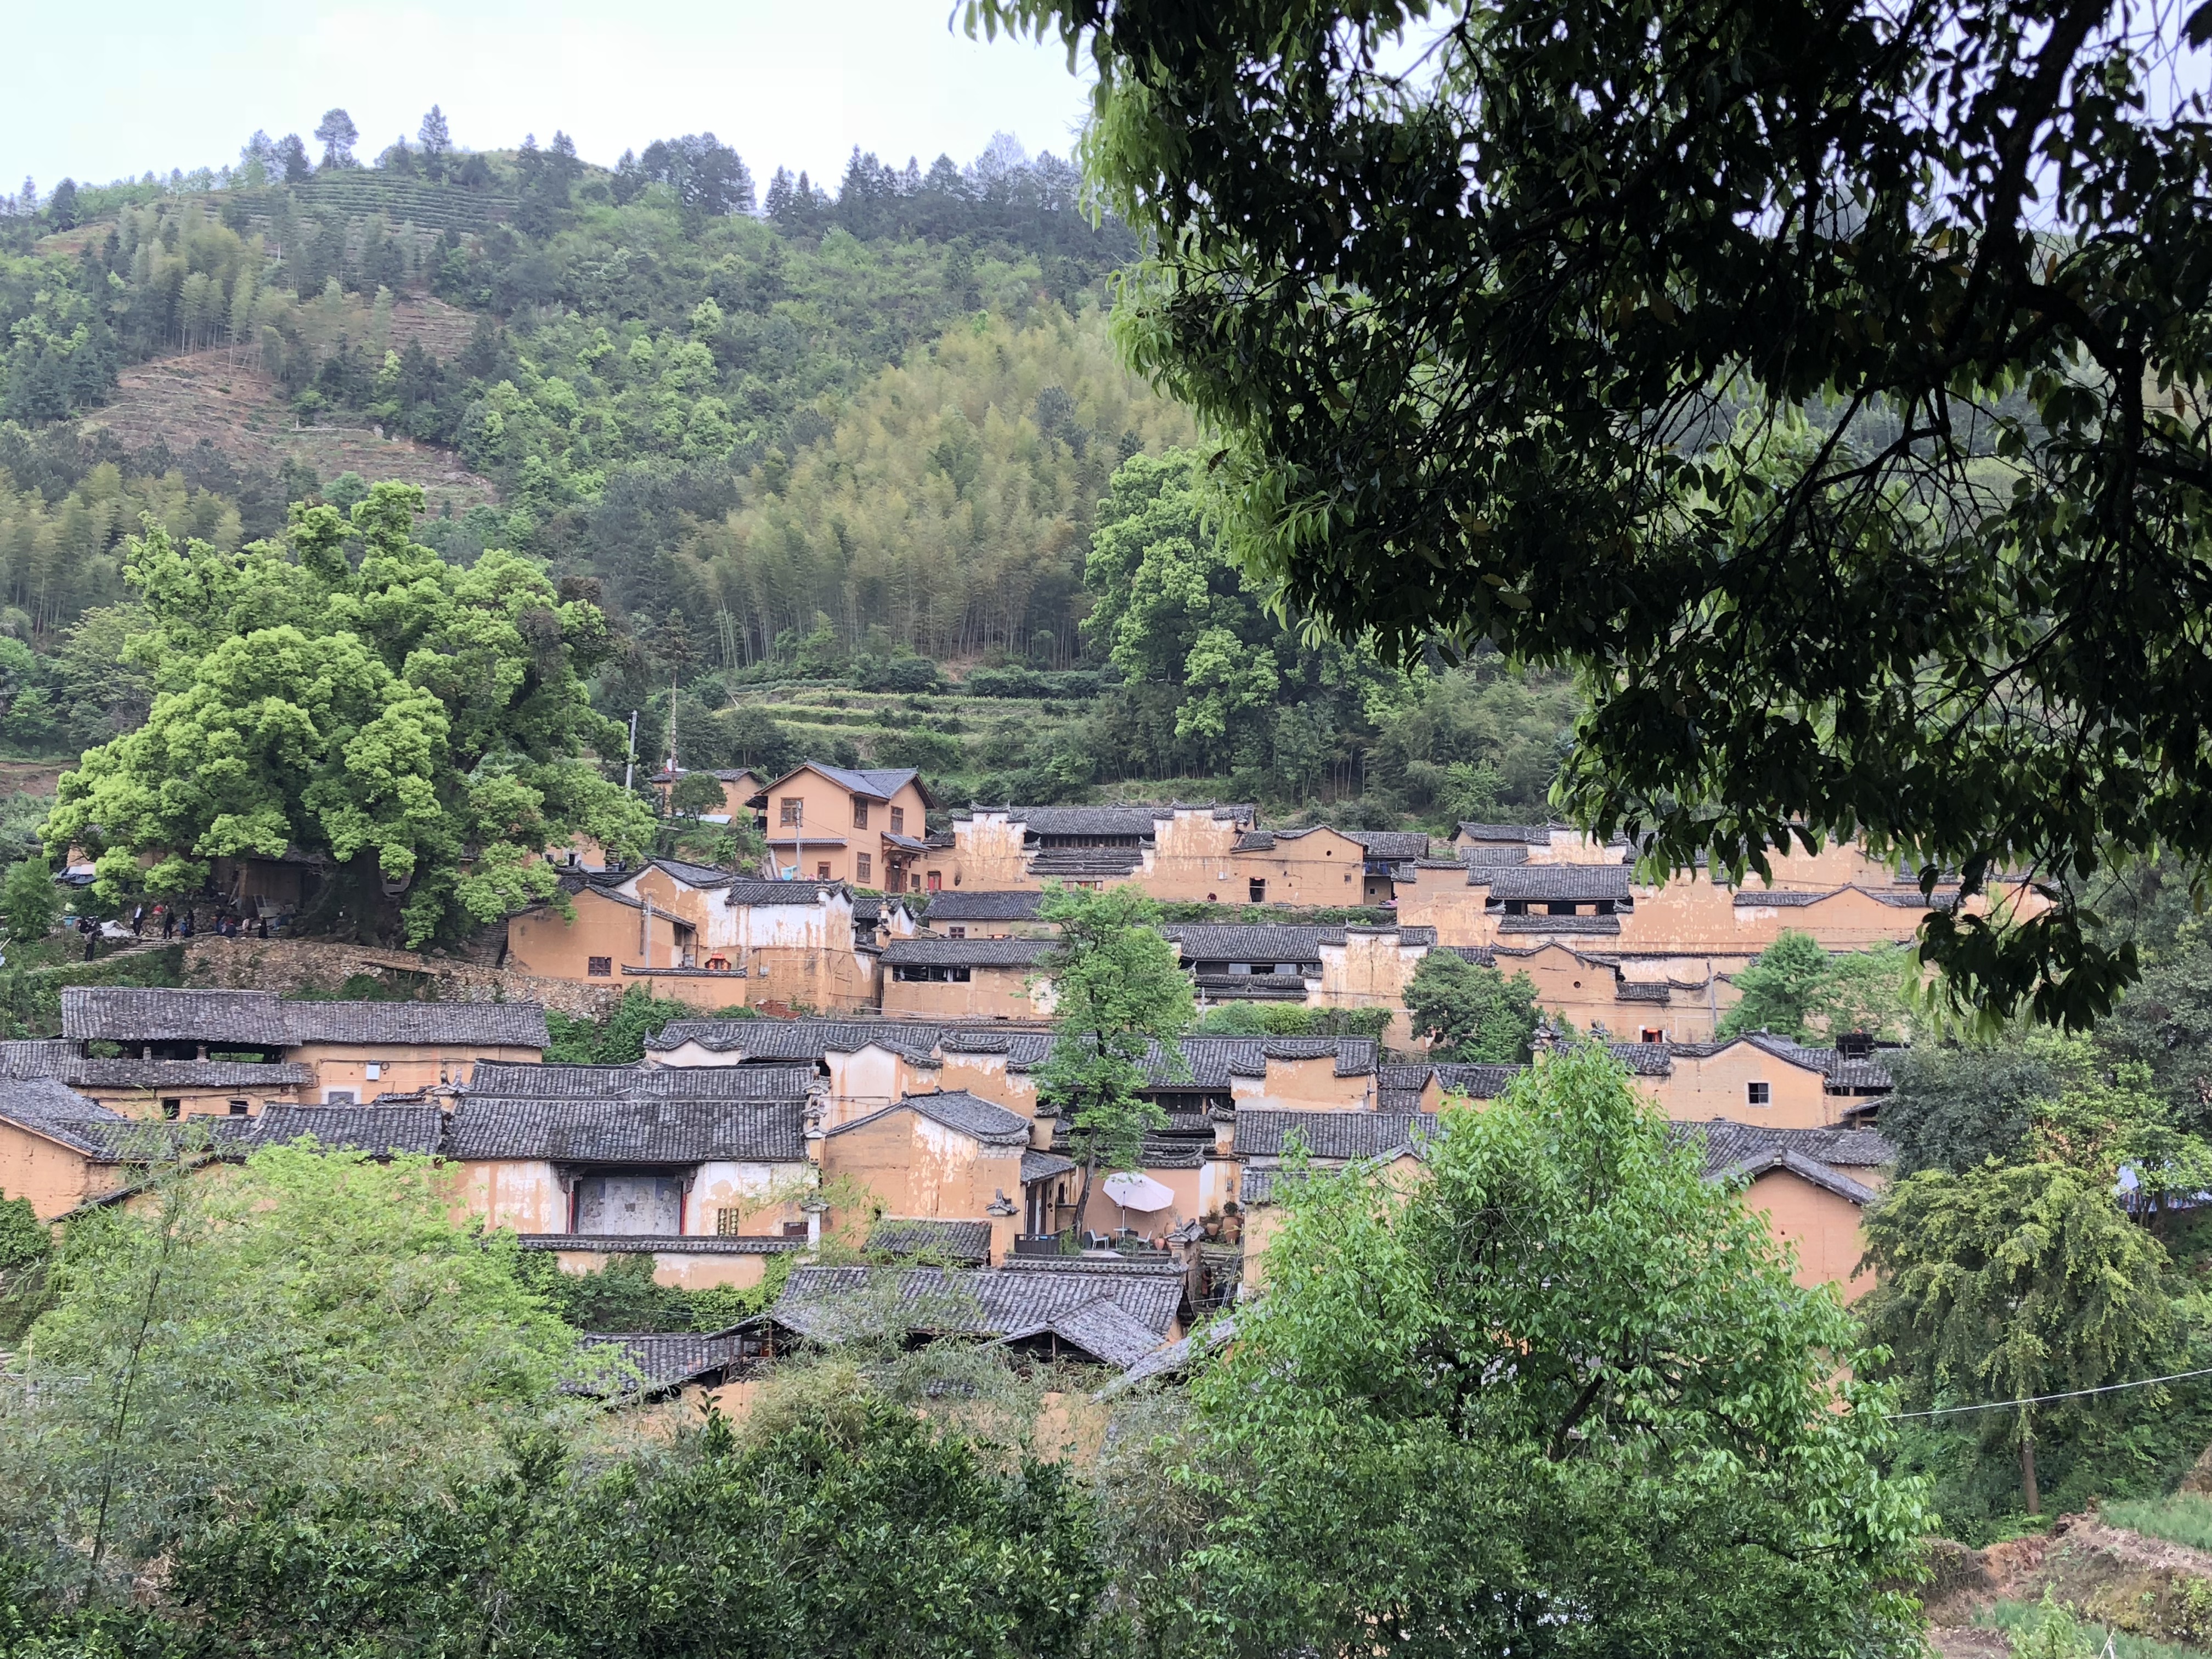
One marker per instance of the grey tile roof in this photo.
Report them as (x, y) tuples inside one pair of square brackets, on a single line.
[(959, 1243), (1728, 1144), (794, 1039), (881, 782), (1393, 844), (588, 1130), (823, 1303), (957, 1109), (1044, 1166), (1177, 1357), (1526, 834), (966, 952), (466, 1024), (505, 1080), (1331, 1135), (1099, 1327), (1252, 987), (1478, 1082), (1787, 898), (58, 1058), (957, 906), (1643, 990), (661, 1243), (703, 876), (1086, 820), (741, 894), (666, 1361), (1243, 942), (50, 1108), (1644, 1059), (117, 1014), (1086, 860), (36, 1056), (1580, 883), (380, 1131), (1495, 853), (1583, 925)]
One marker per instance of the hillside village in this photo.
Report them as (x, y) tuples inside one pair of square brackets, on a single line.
[(872, 1072)]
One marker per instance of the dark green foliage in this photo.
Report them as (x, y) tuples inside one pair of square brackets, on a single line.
[(24, 1238), (854, 1528), (30, 903), (1472, 1012), (618, 1038), (1291, 1019), (1912, 299), (1955, 1106), (623, 1296)]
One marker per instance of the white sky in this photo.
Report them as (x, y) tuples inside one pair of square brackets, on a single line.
[(140, 84)]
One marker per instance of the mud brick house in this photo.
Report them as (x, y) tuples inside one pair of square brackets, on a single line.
[(945, 1157), (966, 979), (60, 1150), (703, 1169), (865, 827), (984, 915), (740, 787), (231, 1053)]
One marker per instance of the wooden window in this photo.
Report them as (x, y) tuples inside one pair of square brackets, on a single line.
[(955, 932), (1759, 1094), (599, 967), (238, 1109), (793, 810), (860, 813), (821, 871), (898, 820), (863, 867)]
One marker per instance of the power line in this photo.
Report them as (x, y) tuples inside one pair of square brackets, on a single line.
[(2045, 1399)]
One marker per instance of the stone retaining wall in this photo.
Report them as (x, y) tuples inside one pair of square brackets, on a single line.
[(288, 965)]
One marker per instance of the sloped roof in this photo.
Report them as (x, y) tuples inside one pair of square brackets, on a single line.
[(123, 1013), (962, 1242), (639, 1132), (1100, 1327), (1527, 835), (380, 1131), (1485, 855), (703, 876), (1477, 1082), (957, 906), (1234, 941), (57, 1057), (1644, 1059), (966, 952), (794, 1039), (980, 1120), (1086, 860), (473, 1025), (1728, 1144), (670, 1361), (819, 1302), (1332, 1135), (740, 895), (48, 1107), (881, 782), (1580, 883), (1393, 844), (1089, 820), (1044, 1166), (1543, 923), (506, 1080), (1177, 1357)]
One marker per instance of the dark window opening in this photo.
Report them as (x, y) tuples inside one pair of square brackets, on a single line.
[(1759, 1094), (1259, 890), (599, 967), (172, 1106)]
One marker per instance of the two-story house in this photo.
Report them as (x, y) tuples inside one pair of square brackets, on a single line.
[(865, 826)]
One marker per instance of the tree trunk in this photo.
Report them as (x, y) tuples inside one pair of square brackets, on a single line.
[(1083, 1197), (2027, 1466)]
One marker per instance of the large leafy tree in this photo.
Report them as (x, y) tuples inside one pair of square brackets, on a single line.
[(1119, 995), (1555, 1394), (1471, 1011), (2010, 1281), (422, 723), (1826, 381)]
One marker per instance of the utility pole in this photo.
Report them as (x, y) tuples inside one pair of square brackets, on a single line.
[(630, 766)]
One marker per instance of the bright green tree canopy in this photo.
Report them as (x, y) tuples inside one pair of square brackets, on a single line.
[(422, 722), (1552, 1394), (1477, 1013)]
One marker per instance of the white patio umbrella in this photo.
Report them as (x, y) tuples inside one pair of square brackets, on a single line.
[(1132, 1190)]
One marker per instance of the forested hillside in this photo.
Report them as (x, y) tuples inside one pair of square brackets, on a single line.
[(794, 438)]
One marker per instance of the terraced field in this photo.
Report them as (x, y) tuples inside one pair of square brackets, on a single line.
[(947, 734), (203, 397)]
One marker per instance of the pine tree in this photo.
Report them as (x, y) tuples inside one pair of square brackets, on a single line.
[(338, 135)]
